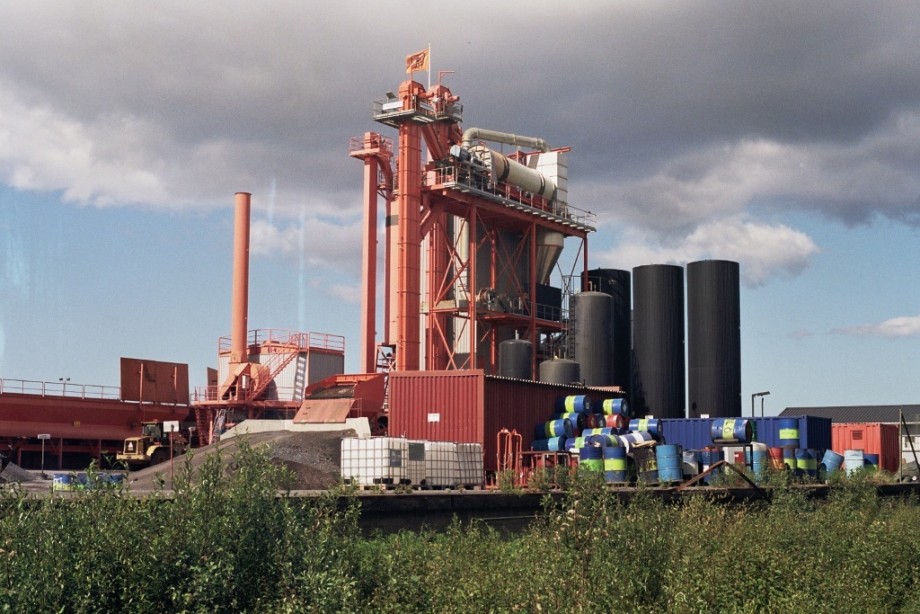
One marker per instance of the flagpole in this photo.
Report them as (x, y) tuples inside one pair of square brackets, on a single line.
[(429, 66)]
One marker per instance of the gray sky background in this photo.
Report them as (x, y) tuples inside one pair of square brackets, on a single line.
[(698, 129)]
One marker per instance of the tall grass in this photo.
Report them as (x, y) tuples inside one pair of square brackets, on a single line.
[(226, 541)]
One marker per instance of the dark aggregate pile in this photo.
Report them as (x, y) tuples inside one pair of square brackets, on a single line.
[(314, 459)]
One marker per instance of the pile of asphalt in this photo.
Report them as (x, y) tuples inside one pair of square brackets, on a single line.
[(314, 459), (14, 473)]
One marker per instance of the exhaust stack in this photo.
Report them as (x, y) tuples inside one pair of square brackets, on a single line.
[(239, 308)]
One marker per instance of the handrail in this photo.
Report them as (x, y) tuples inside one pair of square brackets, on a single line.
[(291, 339), (59, 389)]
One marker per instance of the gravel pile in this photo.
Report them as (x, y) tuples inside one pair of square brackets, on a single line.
[(314, 458)]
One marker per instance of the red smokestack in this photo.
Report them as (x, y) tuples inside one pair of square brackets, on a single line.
[(239, 309)]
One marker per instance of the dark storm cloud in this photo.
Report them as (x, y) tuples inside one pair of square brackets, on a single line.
[(680, 116)]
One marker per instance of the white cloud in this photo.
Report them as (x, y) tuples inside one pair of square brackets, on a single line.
[(903, 326), (314, 242), (763, 251)]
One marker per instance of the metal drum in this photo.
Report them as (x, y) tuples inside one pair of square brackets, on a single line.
[(574, 444), (618, 407), (652, 426), (669, 459), (732, 430), (646, 465), (591, 457), (630, 439), (806, 461), (870, 461), (788, 432), (553, 444), (576, 418), (615, 465), (578, 402), (554, 428), (708, 458), (776, 458), (853, 460), (831, 461)]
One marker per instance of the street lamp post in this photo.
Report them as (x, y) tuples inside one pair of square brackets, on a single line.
[(63, 381), (754, 396)]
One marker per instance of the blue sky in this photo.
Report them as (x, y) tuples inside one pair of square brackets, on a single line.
[(780, 135)]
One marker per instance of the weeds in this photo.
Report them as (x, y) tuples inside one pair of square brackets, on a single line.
[(229, 539)]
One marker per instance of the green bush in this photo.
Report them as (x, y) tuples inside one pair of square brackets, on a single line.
[(229, 539)]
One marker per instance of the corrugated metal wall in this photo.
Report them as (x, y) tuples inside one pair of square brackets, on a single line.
[(658, 341), (871, 438), (713, 339), (470, 407)]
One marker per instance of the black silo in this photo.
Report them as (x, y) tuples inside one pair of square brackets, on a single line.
[(592, 331), (515, 359), (617, 283), (560, 371), (713, 339), (658, 341)]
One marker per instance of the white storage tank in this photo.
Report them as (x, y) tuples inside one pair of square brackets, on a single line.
[(442, 464), (472, 472), (371, 461), (417, 465)]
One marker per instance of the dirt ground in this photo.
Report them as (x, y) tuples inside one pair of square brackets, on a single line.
[(313, 457)]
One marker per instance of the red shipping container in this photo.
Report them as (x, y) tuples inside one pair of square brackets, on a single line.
[(870, 437), (472, 407)]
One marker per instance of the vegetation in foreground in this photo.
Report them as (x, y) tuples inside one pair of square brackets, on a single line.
[(225, 542)]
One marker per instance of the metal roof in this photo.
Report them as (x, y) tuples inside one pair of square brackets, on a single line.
[(858, 413)]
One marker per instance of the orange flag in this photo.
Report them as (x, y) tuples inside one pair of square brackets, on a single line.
[(417, 62)]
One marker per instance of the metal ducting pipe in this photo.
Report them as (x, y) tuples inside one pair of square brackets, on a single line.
[(472, 134), (506, 170)]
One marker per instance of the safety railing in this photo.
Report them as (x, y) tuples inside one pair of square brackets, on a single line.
[(287, 339), (58, 389)]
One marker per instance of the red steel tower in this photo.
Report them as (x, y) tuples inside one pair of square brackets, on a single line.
[(472, 236)]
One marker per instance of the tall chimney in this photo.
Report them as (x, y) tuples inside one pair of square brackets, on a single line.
[(239, 308)]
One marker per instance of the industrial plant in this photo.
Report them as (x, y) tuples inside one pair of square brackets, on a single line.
[(500, 347)]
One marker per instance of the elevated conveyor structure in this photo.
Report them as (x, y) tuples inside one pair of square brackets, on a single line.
[(472, 236)]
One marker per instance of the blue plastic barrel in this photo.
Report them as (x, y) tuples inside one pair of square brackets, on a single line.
[(577, 419), (831, 461), (853, 460), (806, 461), (708, 458), (554, 428), (591, 458), (669, 459), (603, 440), (788, 432), (759, 459), (732, 430), (577, 402), (614, 465), (553, 444), (871, 461), (618, 407), (653, 426)]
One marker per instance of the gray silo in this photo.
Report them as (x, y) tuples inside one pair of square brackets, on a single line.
[(658, 341), (617, 283), (591, 330), (515, 359), (714, 338)]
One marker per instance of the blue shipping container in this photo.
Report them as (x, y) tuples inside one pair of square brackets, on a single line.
[(694, 433)]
